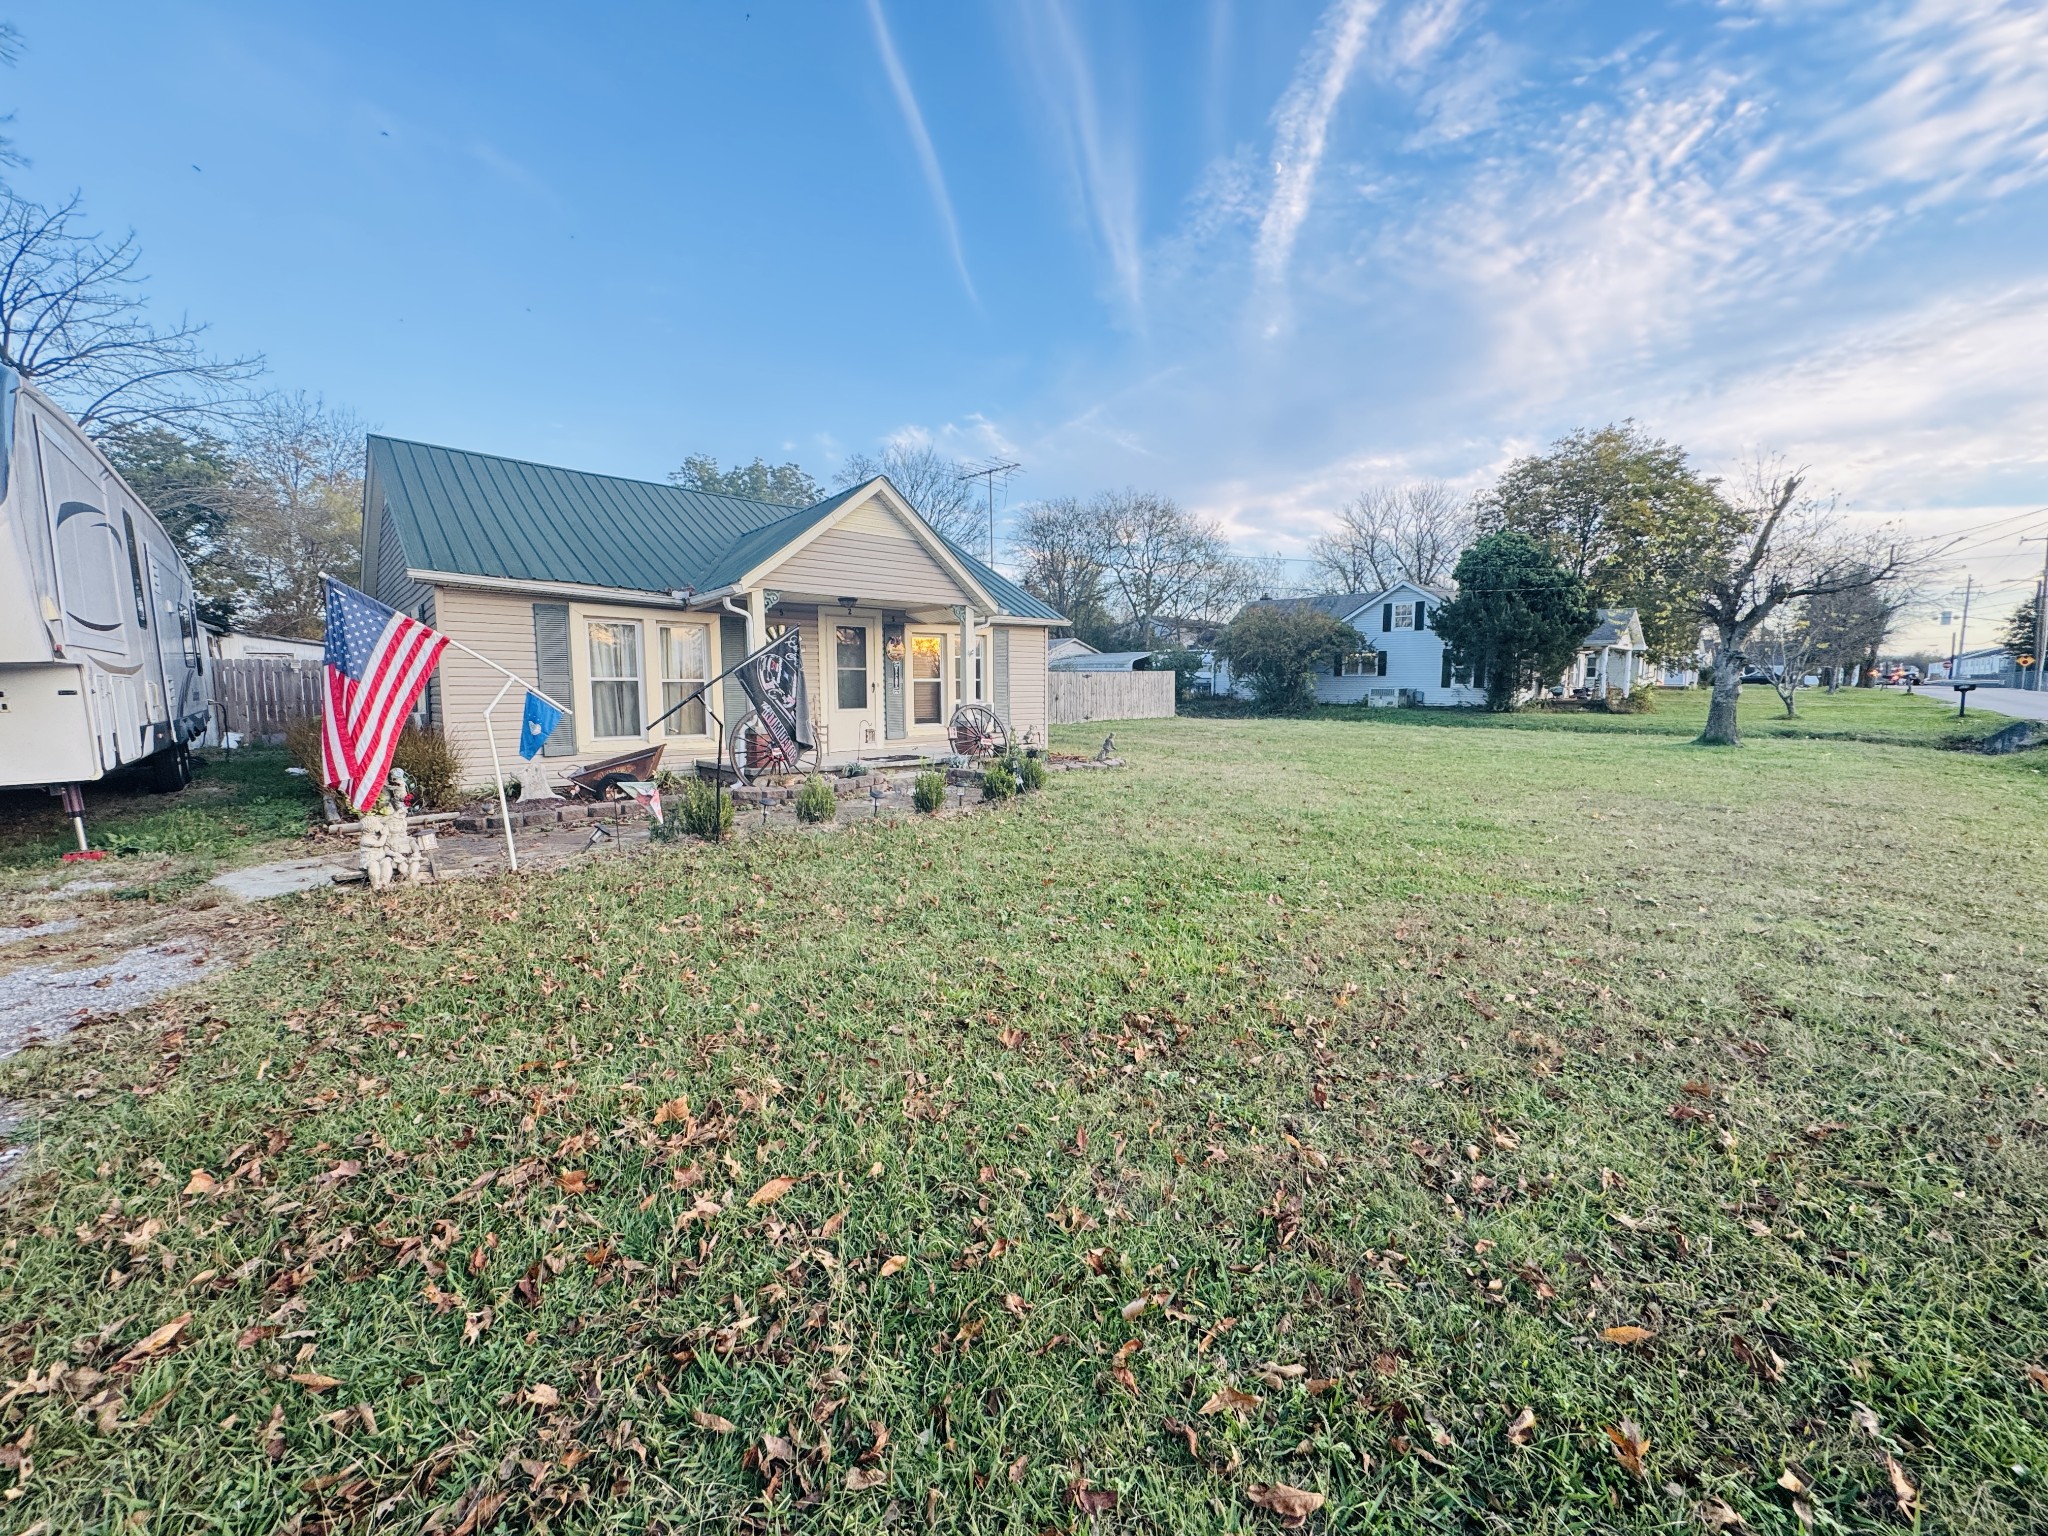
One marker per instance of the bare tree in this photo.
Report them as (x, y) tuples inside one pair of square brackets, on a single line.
[(1788, 645), (931, 483), (1792, 546), (73, 320), (1056, 552), (293, 509), (1161, 564), (1412, 532), (10, 52)]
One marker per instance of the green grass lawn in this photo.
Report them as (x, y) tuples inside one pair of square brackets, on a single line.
[(1298, 1107), (238, 806)]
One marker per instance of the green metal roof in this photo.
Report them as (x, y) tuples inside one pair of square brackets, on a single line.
[(477, 514)]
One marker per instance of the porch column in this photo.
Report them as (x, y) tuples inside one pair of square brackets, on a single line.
[(966, 653), (757, 620)]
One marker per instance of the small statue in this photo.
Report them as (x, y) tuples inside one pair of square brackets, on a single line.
[(386, 849), (1108, 752)]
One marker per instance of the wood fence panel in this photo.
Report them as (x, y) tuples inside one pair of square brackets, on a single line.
[(260, 696), (1078, 696)]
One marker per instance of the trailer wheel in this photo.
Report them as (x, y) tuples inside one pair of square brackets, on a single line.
[(171, 769)]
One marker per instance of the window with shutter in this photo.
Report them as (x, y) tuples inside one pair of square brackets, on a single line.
[(1447, 671), (1386, 618), (1381, 658)]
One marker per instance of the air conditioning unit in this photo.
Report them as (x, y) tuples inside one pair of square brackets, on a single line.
[(1384, 698)]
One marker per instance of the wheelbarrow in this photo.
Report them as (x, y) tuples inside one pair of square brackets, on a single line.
[(601, 781)]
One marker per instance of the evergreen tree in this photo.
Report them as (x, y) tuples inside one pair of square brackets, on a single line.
[(1519, 615)]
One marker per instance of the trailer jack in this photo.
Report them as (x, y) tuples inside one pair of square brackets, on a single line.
[(74, 807)]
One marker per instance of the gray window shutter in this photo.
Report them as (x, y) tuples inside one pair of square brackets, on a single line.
[(1447, 668), (732, 647), (894, 726), (1422, 615), (551, 663), (999, 662), (1386, 618)]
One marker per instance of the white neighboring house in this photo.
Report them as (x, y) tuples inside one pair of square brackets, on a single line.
[(1405, 662), (234, 645), (1061, 650), (1614, 655)]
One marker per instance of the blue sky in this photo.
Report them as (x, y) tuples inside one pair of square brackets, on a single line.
[(1256, 255)]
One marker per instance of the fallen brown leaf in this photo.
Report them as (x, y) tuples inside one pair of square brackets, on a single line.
[(155, 1343), (1631, 1445), (1715, 1515), (772, 1191), (1230, 1400), (711, 1422), (541, 1395), (1903, 1491), (1292, 1505), (1627, 1334), (313, 1381), (201, 1183), (2038, 1376), (893, 1265), (1090, 1501), (574, 1181), (858, 1479), (1523, 1430), (832, 1225), (1187, 1433)]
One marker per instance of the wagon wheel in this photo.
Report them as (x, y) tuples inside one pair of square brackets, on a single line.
[(977, 731), (752, 753)]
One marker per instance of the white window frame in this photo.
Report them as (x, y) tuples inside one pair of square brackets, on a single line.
[(1404, 615), (639, 678), (673, 726), (1362, 664), (911, 681)]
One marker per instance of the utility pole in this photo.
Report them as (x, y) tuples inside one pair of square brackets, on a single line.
[(988, 472), (2040, 610), (1955, 665)]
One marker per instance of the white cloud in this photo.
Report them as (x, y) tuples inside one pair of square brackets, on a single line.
[(1101, 163), (927, 156), (1301, 126), (1966, 103)]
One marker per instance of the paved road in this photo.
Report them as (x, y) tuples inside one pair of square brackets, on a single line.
[(2019, 703)]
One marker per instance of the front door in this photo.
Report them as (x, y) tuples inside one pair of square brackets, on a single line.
[(854, 682)]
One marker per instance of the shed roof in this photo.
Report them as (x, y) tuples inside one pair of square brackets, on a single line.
[(480, 514), (1104, 661)]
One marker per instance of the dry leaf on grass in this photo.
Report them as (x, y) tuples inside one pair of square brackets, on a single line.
[(541, 1395), (1090, 1501), (772, 1191), (1292, 1505), (155, 1344), (1903, 1491), (1628, 1335), (675, 1109), (1230, 1400), (201, 1183), (859, 1479), (1630, 1444), (711, 1422), (1523, 1430), (574, 1181), (893, 1265), (1715, 1515), (313, 1381)]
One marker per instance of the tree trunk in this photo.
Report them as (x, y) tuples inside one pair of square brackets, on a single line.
[(1722, 730)]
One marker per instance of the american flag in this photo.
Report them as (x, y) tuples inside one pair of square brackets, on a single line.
[(378, 660)]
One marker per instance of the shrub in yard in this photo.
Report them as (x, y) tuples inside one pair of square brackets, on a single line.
[(997, 782), (1277, 652), (1027, 769), (1639, 700), (432, 766), (855, 770), (929, 792), (815, 801), (302, 745), (699, 812)]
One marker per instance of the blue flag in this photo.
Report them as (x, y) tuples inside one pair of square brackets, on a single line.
[(538, 725)]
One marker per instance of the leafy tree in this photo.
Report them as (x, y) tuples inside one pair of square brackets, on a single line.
[(73, 320), (1184, 664), (184, 479), (1277, 650), (784, 484), (1625, 514), (2021, 636), (930, 482), (1519, 615), (1849, 627), (1395, 533)]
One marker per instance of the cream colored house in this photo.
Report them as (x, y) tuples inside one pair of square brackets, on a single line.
[(617, 597)]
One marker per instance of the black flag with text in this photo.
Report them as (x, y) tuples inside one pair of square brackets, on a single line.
[(773, 678)]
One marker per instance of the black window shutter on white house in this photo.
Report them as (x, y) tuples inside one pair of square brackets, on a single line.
[(1386, 618), (1447, 669), (1422, 615)]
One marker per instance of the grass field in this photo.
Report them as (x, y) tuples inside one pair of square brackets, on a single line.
[(1302, 1109), (238, 806)]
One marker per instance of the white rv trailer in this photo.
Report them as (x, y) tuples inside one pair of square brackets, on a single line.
[(102, 660)]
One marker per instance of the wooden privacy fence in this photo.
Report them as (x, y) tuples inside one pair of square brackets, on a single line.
[(260, 696), (1078, 696)]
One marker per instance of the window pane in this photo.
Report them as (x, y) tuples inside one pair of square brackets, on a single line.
[(685, 664), (927, 673), (615, 678), (850, 643)]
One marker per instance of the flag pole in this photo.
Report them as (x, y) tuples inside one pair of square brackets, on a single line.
[(497, 772), (455, 644)]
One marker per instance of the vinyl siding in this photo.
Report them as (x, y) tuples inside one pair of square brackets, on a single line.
[(1027, 674), (871, 557)]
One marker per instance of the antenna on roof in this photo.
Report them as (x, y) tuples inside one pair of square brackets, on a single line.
[(990, 470)]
